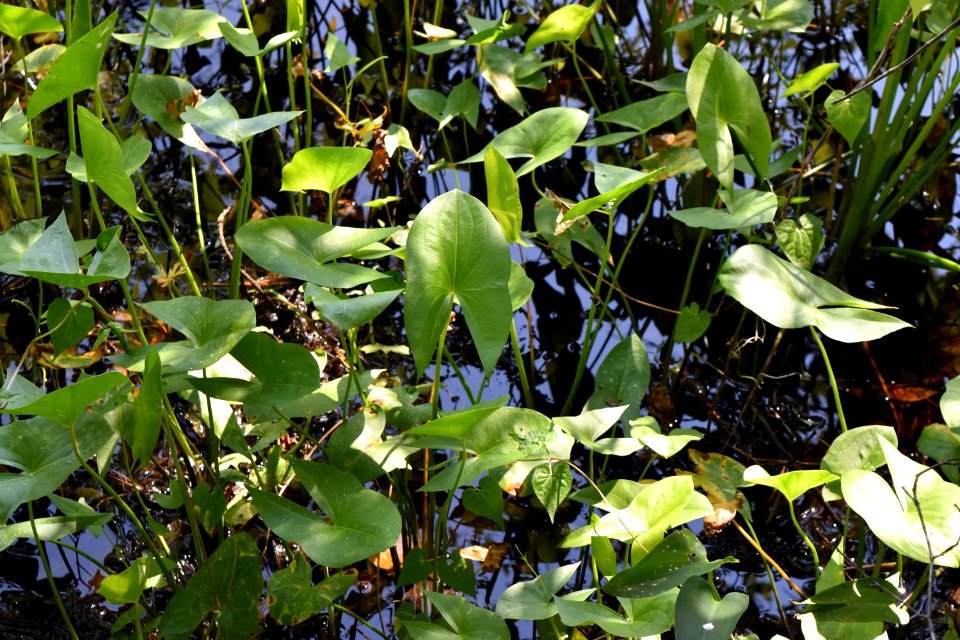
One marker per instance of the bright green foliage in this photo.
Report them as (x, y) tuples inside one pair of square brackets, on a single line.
[(790, 297), (647, 431), (456, 252), (543, 136), (849, 116), (486, 499), (177, 28), (15, 241), (153, 94), (337, 53), (801, 243), (324, 168), (668, 565), (590, 425), (704, 617), (919, 510), (14, 133), (105, 163), (809, 81), (228, 585), (464, 100), (143, 573), (359, 522), (858, 449), (75, 70), (566, 24), (644, 115), (17, 22), (551, 484), (609, 201), (54, 258), (725, 103), (503, 193), (147, 412), (292, 598), (644, 616), (534, 599), (52, 528), (692, 323), (212, 328), (623, 378), (781, 15), (245, 41), (464, 621), (349, 312), (220, 118), (66, 405), (745, 208)]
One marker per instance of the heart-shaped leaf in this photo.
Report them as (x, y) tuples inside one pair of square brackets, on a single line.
[(858, 448), (704, 617), (359, 522), (623, 378), (163, 98), (849, 116), (644, 617), (791, 484), (68, 323), (644, 115), (565, 24), (456, 252), (801, 243), (292, 598), (551, 484), (15, 241), (811, 80), (177, 28), (348, 312), (54, 258), (789, 297), (745, 208), (533, 599)]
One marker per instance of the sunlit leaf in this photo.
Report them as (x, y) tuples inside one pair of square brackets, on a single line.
[(543, 136), (163, 98), (503, 193), (789, 297), (781, 15), (551, 484), (565, 24), (347, 312), (849, 116), (745, 208), (17, 22), (792, 484), (811, 80), (324, 168), (245, 41), (143, 573), (177, 28), (704, 617), (218, 116), (456, 252), (644, 115), (623, 378), (533, 599), (105, 163), (643, 616), (75, 70), (646, 430), (725, 103), (858, 448), (801, 244), (337, 54)]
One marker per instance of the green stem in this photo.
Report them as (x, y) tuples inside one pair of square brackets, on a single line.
[(55, 592), (242, 212), (806, 538), (521, 368), (135, 74), (198, 215), (13, 195), (833, 380), (172, 239)]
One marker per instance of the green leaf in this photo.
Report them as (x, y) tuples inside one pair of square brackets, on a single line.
[(358, 446), (745, 208), (486, 500), (324, 168), (543, 136), (282, 372), (337, 54), (229, 584), (68, 323), (521, 286), (791, 484), (692, 323), (52, 528), (429, 101), (143, 573), (467, 621), (156, 96), (17, 22), (245, 41), (622, 378), (534, 599), (645, 115), (298, 247), (38, 61), (704, 617), (75, 70), (327, 398), (849, 116), (218, 116), (644, 617), (67, 404), (941, 443), (292, 598), (781, 15), (856, 601), (348, 312), (456, 252), (609, 201), (725, 103), (212, 328), (551, 484), (464, 101), (503, 193), (646, 430), (590, 425), (858, 448), (177, 28), (104, 163), (359, 522), (678, 557), (43, 451), (801, 244), (919, 510), (950, 403), (147, 412), (566, 24), (15, 241), (789, 297), (811, 80)]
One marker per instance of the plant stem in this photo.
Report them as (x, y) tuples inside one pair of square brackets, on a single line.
[(833, 380), (55, 592), (806, 538)]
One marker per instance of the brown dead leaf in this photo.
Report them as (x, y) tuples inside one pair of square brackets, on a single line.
[(908, 393)]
